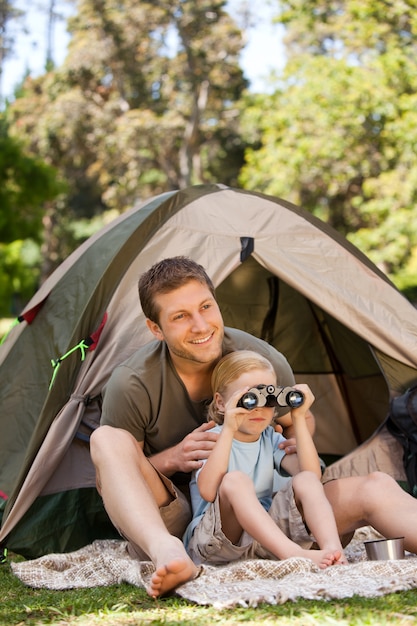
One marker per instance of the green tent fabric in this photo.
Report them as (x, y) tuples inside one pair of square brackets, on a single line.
[(279, 273)]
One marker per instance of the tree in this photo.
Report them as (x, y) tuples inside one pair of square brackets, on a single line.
[(146, 101), (174, 70), (26, 184), (8, 12), (340, 131)]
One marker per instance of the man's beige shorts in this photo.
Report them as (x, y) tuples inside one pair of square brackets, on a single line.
[(208, 543), (176, 517)]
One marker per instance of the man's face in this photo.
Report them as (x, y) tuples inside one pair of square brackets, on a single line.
[(190, 323)]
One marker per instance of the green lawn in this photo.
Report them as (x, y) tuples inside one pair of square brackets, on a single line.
[(124, 605)]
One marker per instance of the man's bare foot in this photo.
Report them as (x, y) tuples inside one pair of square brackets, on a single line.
[(170, 576)]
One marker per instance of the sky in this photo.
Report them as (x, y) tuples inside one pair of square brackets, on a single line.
[(263, 52)]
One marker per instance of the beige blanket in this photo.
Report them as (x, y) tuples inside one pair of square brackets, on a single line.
[(245, 583)]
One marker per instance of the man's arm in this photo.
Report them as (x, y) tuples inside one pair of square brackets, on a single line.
[(188, 454)]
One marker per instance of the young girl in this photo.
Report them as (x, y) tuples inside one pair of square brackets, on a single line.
[(235, 515)]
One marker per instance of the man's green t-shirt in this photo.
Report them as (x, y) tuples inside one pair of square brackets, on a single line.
[(146, 397)]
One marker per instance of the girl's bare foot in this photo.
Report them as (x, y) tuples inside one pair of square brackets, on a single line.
[(170, 576), (325, 558), (340, 558)]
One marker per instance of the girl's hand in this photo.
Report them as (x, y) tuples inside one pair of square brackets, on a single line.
[(234, 415), (303, 410)]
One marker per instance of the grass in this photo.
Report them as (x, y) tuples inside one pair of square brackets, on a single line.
[(125, 605)]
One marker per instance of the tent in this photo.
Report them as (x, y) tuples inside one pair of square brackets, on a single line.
[(279, 273)]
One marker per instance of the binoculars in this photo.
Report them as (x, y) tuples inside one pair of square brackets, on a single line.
[(269, 395)]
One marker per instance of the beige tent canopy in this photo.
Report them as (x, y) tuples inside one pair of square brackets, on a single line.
[(280, 274)]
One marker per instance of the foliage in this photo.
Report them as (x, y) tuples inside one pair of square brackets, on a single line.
[(145, 102), (406, 280), (151, 97), (338, 136), (19, 274), (26, 184), (8, 15)]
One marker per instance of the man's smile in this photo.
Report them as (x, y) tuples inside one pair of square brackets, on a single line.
[(203, 339)]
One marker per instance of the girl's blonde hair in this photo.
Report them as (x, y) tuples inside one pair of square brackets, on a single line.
[(228, 369)]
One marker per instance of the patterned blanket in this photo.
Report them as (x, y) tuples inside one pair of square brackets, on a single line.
[(245, 583)]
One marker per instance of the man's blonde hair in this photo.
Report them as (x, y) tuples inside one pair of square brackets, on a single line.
[(228, 369)]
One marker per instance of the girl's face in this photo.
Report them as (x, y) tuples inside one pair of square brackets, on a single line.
[(251, 423)]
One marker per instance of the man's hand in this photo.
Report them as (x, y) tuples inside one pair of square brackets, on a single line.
[(289, 445), (187, 455)]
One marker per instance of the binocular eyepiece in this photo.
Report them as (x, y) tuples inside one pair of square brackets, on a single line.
[(269, 395)]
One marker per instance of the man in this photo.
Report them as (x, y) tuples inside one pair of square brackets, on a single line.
[(154, 429)]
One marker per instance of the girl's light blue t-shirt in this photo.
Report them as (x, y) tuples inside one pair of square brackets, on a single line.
[(257, 459)]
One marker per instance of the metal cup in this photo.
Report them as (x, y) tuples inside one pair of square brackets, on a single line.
[(385, 549)]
